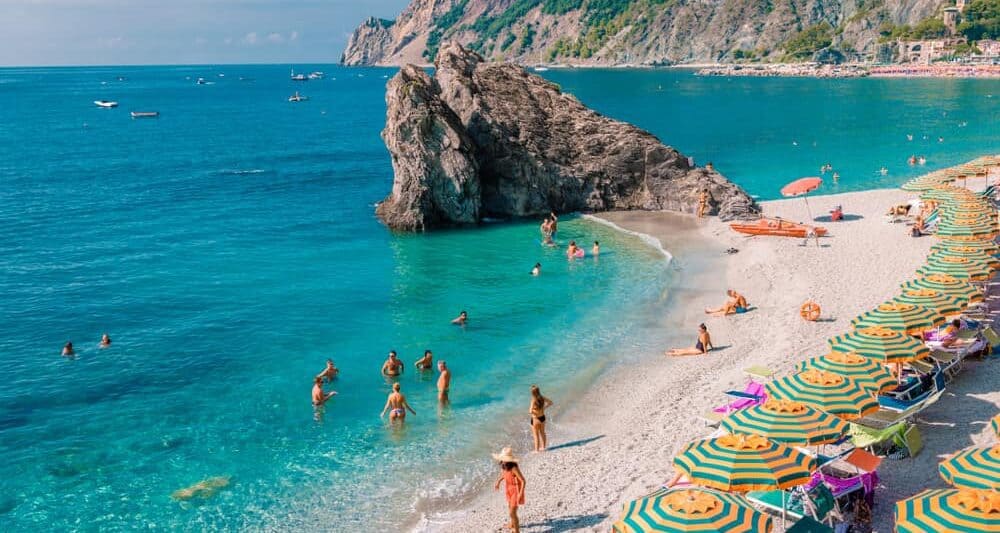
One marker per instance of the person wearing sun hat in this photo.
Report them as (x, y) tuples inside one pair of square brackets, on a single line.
[(514, 483)]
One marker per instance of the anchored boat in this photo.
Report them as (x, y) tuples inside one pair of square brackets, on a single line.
[(145, 114), (105, 103)]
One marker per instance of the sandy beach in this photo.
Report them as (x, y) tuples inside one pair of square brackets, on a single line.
[(617, 441)]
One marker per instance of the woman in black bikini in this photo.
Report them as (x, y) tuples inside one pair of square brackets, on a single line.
[(703, 345), (537, 411)]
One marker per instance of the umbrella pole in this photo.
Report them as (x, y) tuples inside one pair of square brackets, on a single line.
[(810, 215)]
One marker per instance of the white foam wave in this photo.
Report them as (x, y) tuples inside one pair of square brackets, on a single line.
[(648, 239)]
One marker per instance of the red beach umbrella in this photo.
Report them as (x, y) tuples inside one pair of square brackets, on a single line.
[(801, 186)]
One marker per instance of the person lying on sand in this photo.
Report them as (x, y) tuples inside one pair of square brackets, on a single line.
[(703, 345), (899, 210), (203, 489), (736, 304)]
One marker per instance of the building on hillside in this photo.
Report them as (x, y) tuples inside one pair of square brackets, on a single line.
[(927, 51), (989, 47), (951, 15)]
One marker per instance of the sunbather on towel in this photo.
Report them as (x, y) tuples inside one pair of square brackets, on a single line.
[(949, 336), (703, 345), (736, 304)]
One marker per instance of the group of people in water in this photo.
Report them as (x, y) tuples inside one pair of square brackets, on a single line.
[(68, 350)]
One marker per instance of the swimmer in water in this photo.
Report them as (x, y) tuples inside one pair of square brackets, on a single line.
[(462, 318), (425, 362), (444, 382), (105, 341), (318, 396), (909, 136), (329, 372), (596, 250), (398, 405), (537, 269), (67, 350), (701, 347), (836, 177), (392, 366), (571, 251), (554, 224)]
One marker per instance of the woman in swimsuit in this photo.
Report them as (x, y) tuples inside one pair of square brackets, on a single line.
[(703, 345), (397, 402), (537, 412), (514, 484)]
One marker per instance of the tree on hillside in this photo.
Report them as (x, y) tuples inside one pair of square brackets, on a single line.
[(981, 20)]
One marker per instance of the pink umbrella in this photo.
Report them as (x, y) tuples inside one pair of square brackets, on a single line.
[(801, 187)]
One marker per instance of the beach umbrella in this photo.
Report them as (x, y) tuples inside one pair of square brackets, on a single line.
[(865, 372), (949, 510), (995, 423), (881, 345), (970, 252), (970, 230), (739, 463), (905, 318), (962, 290), (966, 239), (938, 301), (802, 187), (956, 267), (987, 247), (787, 422), (838, 395), (973, 468), (692, 509)]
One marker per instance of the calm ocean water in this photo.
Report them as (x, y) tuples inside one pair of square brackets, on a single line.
[(229, 248)]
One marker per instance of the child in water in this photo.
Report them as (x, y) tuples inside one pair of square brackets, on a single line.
[(537, 269)]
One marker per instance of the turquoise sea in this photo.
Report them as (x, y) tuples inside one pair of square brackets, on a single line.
[(229, 247)]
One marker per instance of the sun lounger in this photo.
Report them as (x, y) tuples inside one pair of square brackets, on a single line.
[(883, 418), (808, 525), (817, 503), (752, 394), (914, 395)]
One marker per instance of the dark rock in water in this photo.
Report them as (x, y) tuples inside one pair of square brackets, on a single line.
[(486, 139)]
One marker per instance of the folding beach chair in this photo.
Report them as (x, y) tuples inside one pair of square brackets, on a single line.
[(752, 394)]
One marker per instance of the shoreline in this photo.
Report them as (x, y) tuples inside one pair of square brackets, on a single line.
[(645, 411)]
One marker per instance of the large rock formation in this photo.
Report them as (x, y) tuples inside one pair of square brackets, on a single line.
[(639, 32), (486, 139)]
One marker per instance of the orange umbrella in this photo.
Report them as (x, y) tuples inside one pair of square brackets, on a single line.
[(801, 187)]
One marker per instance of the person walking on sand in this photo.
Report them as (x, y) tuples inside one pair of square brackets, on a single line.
[(318, 396), (444, 382), (105, 341), (398, 405), (392, 366), (537, 412), (329, 372), (703, 203), (514, 485), (425, 362), (67, 350), (703, 345)]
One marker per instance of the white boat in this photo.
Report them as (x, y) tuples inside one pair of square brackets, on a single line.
[(298, 77), (105, 103), (541, 69), (201, 81), (145, 114), (297, 97), (316, 75)]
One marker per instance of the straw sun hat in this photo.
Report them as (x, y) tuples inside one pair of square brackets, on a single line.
[(506, 455)]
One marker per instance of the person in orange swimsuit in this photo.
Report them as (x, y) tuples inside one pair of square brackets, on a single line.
[(514, 484)]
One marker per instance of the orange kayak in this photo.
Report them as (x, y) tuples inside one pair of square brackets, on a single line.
[(776, 226)]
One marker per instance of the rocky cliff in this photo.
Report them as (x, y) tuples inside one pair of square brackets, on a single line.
[(482, 139), (639, 32)]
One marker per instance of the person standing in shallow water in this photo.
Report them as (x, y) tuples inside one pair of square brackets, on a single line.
[(393, 366), (537, 412), (462, 318), (398, 405), (514, 485), (537, 269), (444, 382)]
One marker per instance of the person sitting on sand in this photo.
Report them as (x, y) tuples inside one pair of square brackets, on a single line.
[(572, 250), (398, 405), (444, 382), (899, 210), (736, 304), (329, 372), (703, 345), (425, 362), (462, 318), (514, 485), (105, 341), (537, 269), (318, 396), (67, 350), (596, 250), (392, 366)]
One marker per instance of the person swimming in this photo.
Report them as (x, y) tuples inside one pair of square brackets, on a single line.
[(573, 250), (596, 250), (392, 366), (329, 372), (318, 396), (444, 382), (425, 362), (398, 405), (67, 350), (105, 341), (537, 269), (702, 346), (461, 319)]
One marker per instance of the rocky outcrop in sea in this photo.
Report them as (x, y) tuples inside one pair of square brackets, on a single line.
[(482, 139)]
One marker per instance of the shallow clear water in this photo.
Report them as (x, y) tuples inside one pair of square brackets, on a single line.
[(229, 248)]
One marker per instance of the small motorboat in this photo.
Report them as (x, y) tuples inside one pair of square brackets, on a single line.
[(541, 69), (778, 227), (145, 114), (298, 77), (201, 81), (316, 75), (105, 103), (297, 97)]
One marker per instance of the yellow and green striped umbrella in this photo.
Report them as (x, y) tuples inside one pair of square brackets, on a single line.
[(959, 289), (986, 247), (881, 345), (787, 422), (692, 509), (956, 267), (739, 463), (973, 468), (949, 511), (967, 219), (905, 318), (865, 372), (838, 395), (995, 423), (971, 240), (970, 229), (931, 299), (969, 252)]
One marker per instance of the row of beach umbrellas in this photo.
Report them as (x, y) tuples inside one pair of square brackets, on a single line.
[(813, 406)]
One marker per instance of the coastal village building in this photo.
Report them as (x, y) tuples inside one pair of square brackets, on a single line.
[(988, 47), (927, 51)]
